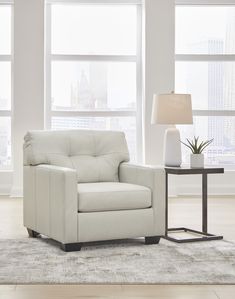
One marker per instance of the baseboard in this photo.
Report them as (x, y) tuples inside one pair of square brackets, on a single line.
[(5, 189), (16, 192), (195, 190)]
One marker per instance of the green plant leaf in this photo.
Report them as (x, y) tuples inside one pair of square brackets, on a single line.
[(187, 145), (192, 145), (208, 142), (200, 147), (195, 146), (195, 142)]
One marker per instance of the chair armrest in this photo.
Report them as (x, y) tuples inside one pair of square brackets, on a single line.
[(152, 177), (50, 201)]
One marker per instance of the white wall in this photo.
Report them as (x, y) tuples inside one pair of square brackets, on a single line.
[(158, 60), (28, 79), (6, 177)]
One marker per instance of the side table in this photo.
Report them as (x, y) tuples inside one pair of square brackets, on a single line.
[(205, 236)]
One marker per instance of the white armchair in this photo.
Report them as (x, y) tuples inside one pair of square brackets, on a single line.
[(78, 188)]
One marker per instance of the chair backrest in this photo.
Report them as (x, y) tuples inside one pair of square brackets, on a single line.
[(95, 155)]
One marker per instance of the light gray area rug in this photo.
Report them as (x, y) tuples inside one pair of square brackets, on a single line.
[(40, 260)]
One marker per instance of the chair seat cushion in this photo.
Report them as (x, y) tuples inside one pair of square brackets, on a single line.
[(112, 196)]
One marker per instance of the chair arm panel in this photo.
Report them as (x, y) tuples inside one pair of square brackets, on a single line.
[(153, 178), (50, 194)]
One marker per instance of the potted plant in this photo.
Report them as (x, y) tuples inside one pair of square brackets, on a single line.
[(197, 148)]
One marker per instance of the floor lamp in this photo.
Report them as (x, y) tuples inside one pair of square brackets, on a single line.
[(172, 109)]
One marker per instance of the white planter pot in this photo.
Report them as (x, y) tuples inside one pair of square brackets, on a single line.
[(197, 160)]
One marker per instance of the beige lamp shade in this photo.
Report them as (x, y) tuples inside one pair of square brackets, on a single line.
[(172, 109)]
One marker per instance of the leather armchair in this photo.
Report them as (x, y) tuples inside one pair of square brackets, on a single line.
[(78, 187)]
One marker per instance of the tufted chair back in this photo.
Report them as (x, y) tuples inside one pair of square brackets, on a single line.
[(95, 155)]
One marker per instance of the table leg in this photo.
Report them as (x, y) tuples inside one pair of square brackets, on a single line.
[(166, 203), (205, 236), (204, 203)]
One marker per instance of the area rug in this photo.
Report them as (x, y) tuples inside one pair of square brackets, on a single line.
[(34, 261)]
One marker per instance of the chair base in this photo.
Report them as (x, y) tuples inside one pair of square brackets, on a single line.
[(32, 233), (152, 240), (71, 247)]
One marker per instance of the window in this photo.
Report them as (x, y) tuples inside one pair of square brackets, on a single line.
[(93, 68), (205, 67), (5, 85)]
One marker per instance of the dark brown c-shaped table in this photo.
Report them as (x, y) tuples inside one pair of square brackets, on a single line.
[(205, 236)]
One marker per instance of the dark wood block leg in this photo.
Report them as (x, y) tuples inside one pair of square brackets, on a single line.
[(71, 247), (152, 240), (32, 233)]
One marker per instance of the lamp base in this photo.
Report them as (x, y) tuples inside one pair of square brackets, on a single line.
[(172, 148)]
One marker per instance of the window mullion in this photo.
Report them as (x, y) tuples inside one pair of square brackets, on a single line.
[(68, 57), (119, 2), (5, 58), (204, 2), (214, 112), (5, 113), (205, 57), (123, 113)]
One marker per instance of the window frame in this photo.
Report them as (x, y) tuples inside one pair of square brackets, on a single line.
[(137, 112), (9, 58), (207, 57)]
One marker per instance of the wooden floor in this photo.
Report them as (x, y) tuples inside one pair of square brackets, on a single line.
[(182, 212)]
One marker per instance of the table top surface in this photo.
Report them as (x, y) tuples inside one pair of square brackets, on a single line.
[(189, 170)]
